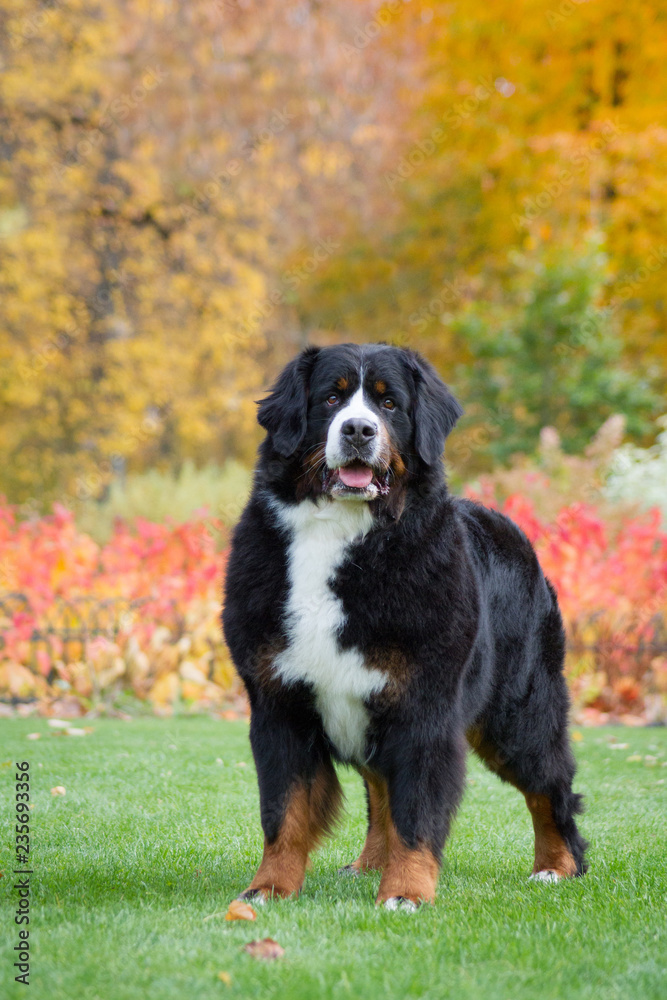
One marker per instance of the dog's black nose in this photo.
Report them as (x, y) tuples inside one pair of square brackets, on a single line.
[(358, 430)]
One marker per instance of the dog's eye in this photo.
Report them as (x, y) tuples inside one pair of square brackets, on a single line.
[(388, 403), (333, 398)]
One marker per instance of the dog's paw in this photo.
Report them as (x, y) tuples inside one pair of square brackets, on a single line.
[(547, 875), (349, 870), (400, 903), (256, 896)]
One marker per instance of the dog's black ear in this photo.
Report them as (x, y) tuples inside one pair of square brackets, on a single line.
[(436, 410), (284, 412)]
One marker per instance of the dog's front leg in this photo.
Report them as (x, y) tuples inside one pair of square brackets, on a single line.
[(299, 798), (283, 864), (425, 783)]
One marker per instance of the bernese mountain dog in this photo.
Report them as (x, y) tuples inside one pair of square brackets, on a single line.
[(380, 622)]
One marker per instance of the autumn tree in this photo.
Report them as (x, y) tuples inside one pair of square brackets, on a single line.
[(536, 126), (160, 166)]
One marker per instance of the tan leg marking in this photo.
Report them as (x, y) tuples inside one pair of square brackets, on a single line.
[(551, 851), (284, 862), (325, 800), (310, 814), (490, 756), (375, 851), (409, 872)]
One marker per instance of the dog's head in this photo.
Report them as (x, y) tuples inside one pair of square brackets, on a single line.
[(358, 422)]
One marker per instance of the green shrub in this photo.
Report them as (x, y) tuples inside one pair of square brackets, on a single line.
[(212, 491), (549, 355)]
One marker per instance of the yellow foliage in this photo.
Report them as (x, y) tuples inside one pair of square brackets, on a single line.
[(127, 335), (532, 125)]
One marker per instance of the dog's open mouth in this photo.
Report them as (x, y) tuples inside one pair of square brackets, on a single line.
[(356, 478)]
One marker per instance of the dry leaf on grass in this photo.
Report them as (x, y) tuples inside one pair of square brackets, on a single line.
[(225, 978), (73, 731), (266, 948), (34, 736), (58, 790), (238, 910)]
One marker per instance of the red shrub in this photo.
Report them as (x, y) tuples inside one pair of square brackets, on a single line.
[(142, 612)]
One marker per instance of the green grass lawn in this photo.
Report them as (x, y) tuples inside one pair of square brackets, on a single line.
[(159, 830)]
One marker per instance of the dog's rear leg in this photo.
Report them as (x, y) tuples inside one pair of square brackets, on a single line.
[(324, 803), (555, 855), (545, 779), (375, 850)]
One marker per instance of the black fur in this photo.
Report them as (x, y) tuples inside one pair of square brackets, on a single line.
[(444, 592)]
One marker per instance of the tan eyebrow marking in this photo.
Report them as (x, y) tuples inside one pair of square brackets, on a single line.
[(342, 383), (380, 387)]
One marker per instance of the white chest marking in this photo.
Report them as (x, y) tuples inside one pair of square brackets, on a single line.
[(340, 678)]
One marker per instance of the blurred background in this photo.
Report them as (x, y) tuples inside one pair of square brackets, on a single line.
[(191, 192)]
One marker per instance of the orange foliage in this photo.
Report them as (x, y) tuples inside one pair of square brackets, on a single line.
[(139, 613)]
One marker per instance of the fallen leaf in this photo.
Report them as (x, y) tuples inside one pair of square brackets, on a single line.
[(73, 731), (225, 978), (576, 736), (58, 790), (34, 736), (619, 746), (238, 910), (267, 948), (634, 757), (57, 723)]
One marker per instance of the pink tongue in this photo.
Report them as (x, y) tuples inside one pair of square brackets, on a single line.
[(359, 476)]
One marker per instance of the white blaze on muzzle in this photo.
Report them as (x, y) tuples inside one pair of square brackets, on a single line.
[(356, 408)]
